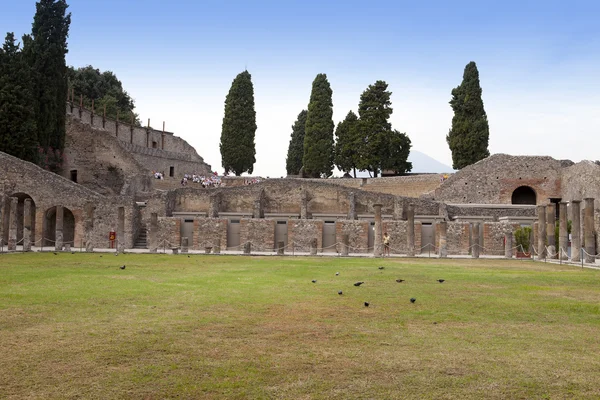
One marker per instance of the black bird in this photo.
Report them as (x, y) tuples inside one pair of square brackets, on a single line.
[(100, 256), (340, 293), (358, 283), (399, 280), (122, 267), (314, 281), (72, 252), (55, 254), (412, 299), (381, 267), (441, 280), (188, 256), (366, 304)]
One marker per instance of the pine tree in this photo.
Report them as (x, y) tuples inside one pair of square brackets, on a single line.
[(293, 162), (239, 127), (318, 138), (46, 49), (397, 151), (18, 135), (374, 109), (347, 141), (469, 137)]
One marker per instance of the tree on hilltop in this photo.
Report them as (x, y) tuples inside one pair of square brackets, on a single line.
[(347, 143), (18, 133), (468, 138), (45, 50), (105, 89), (397, 145), (293, 162), (318, 137), (239, 127)]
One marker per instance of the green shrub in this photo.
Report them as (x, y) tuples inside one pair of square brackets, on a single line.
[(522, 235)]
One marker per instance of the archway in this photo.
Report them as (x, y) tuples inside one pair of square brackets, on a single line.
[(524, 195), (50, 227), (20, 217)]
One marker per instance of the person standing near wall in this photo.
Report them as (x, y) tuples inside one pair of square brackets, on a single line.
[(386, 244)]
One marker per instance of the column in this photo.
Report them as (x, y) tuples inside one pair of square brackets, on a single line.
[(563, 233), (217, 246), (303, 205), (443, 243), (89, 227), (476, 245), (59, 236), (12, 224), (313, 246), (121, 230), (153, 233), (410, 215), (214, 206), (575, 230), (27, 225), (399, 209), (345, 244), (550, 228), (588, 222), (378, 234), (541, 246), (352, 206), (508, 245)]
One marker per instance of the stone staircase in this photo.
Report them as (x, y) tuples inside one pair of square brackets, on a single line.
[(142, 240)]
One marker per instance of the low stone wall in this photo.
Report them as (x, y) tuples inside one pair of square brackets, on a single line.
[(358, 235), (259, 232), (457, 238), (169, 232), (302, 231), (207, 231), (493, 237)]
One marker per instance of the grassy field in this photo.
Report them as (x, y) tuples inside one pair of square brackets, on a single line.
[(76, 326)]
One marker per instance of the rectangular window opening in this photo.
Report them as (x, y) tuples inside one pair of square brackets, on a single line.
[(74, 175), (172, 172)]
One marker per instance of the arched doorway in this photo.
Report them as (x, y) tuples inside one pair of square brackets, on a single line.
[(20, 217), (50, 227), (524, 195)]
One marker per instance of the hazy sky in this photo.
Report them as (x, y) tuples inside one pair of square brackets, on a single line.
[(538, 61)]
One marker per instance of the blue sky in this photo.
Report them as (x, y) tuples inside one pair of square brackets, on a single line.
[(538, 61)]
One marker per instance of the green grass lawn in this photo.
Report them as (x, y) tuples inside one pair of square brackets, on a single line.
[(76, 326)]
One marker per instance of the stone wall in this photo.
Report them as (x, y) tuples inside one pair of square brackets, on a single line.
[(493, 237), (259, 232), (208, 230), (302, 231), (169, 232), (358, 235), (494, 179), (457, 238)]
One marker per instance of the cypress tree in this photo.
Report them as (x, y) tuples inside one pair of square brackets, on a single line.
[(18, 135), (239, 127), (347, 142), (46, 49), (468, 138), (318, 138), (374, 109), (293, 162)]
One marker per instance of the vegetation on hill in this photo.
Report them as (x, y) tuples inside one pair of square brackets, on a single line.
[(239, 127), (105, 90), (293, 162), (469, 136), (318, 138)]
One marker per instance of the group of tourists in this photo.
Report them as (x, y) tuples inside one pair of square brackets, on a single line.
[(213, 180), (158, 175), (251, 181)]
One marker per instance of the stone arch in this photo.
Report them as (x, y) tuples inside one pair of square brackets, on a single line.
[(49, 230), (524, 195), (20, 217)]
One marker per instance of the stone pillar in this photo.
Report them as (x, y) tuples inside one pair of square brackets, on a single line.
[(352, 206), (89, 227), (247, 248), (590, 240), (345, 245), (399, 209), (508, 245), (563, 233), (475, 250), (542, 229), (280, 248), (12, 224), (214, 205), (217, 248), (410, 215), (443, 242), (575, 230), (304, 205), (60, 219), (443, 211), (378, 250), (121, 229), (185, 244), (27, 225), (153, 233), (258, 205), (550, 228), (313, 247)]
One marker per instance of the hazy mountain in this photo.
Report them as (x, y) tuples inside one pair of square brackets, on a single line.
[(423, 163)]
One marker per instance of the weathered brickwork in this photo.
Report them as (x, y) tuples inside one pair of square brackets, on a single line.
[(302, 232), (358, 235), (259, 232), (169, 232), (493, 237), (209, 232), (457, 238)]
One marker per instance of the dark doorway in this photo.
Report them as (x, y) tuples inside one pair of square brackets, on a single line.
[(171, 172), (49, 228), (524, 195), (154, 145), (74, 175)]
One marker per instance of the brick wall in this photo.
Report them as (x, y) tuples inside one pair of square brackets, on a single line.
[(259, 232), (207, 230), (493, 237), (358, 232), (457, 238), (302, 231)]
